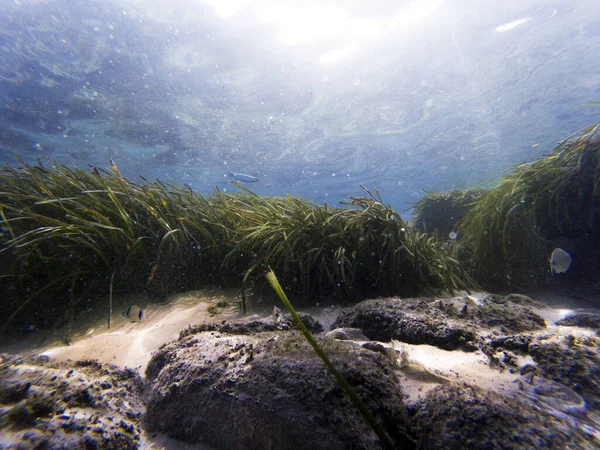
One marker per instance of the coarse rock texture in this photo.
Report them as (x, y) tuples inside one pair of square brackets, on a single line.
[(503, 351), (460, 417), (445, 323), (347, 334), (254, 382), (270, 390), (254, 326), (584, 320), (79, 405), (572, 361)]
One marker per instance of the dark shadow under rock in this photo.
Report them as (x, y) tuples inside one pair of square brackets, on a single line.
[(445, 323), (457, 417), (270, 390), (76, 405)]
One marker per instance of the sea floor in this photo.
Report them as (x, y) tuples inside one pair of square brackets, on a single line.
[(129, 344)]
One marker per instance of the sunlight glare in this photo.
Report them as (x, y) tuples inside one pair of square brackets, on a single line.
[(415, 12), (511, 25), (227, 8), (311, 24), (338, 54)]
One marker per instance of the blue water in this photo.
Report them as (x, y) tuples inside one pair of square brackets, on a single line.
[(313, 100)]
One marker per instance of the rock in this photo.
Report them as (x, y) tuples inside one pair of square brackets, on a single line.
[(521, 299), (454, 416), (500, 349), (308, 321), (384, 320), (49, 405), (585, 320), (574, 362), (270, 390), (510, 314), (519, 343), (347, 334), (248, 327), (445, 323)]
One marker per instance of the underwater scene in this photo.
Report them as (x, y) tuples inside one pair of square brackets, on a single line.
[(274, 224)]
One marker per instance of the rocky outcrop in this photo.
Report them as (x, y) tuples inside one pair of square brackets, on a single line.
[(284, 322), (445, 323), (585, 320), (76, 405), (466, 417), (256, 383), (270, 390), (571, 360)]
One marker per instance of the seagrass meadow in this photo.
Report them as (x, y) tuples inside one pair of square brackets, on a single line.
[(72, 238), (509, 231), (553, 202), (441, 211)]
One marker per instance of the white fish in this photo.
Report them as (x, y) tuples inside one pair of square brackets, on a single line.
[(560, 261), (134, 313), (243, 177)]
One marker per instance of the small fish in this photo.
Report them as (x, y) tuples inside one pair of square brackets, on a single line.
[(560, 261), (243, 177), (276, 315), (134, 313), (152, 273)]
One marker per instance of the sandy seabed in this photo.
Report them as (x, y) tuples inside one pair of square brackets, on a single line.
[(130, 344)]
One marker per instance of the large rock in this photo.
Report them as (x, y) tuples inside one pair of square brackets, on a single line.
[(445, 323), (458, 417), (270, 390), (77, 405), (572, 361), (585, 320)]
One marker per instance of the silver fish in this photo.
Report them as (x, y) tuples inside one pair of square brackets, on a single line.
[(560, 261), (276, 315), (243, 177), (134, 313)]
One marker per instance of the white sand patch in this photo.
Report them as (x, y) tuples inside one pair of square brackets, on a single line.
[(553, 315), (430, 366), (131, 345)]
